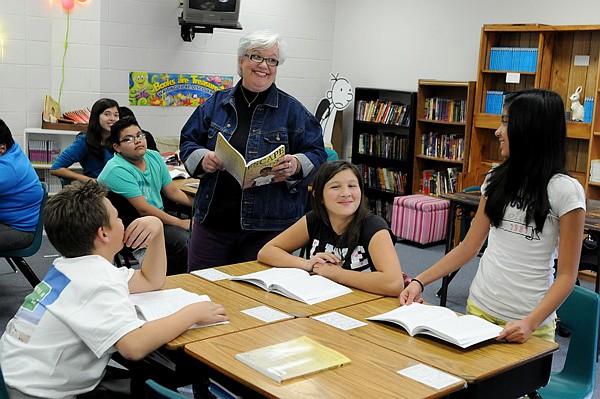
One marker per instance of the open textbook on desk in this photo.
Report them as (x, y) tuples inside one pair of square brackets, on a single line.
[(155, 305), (254, 173), (442, 323), (296, 284), (294, 358)]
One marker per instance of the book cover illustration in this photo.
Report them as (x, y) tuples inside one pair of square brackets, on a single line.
[(294, 358), (254, 173), (51, 111)]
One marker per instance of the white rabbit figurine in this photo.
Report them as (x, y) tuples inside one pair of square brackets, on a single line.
[(576, 107)]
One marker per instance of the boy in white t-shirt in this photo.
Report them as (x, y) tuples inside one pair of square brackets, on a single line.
[(60, 340)]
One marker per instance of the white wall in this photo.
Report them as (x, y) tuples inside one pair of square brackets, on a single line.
[(394, 43), (376, 43), (110, 38)]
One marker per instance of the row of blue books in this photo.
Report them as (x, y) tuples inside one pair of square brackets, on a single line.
[(588, 109), (518, 59), (494, 100)]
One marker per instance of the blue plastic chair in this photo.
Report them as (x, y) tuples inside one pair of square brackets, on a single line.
[(15, 258), (157, 391), (580, 313)]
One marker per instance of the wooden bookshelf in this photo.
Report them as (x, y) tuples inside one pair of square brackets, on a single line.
[(442, 133), (383, 142), (555, 69)]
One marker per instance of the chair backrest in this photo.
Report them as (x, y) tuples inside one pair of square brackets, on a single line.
[(127, 212), (39, 230), (155, 390), (580, 313), (3, 391)]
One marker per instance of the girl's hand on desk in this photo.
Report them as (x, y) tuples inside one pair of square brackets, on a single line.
[(321, 258), (516, 331), (142, 231), (410, 294), (209, 313), (328, 270)]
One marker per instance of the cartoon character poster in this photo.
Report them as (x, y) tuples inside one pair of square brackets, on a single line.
[(337, 99), (174, 89)]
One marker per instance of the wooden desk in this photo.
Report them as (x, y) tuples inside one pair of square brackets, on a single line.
[(291, 306), (370, 374), (182, 184), (234, 303), (492, 370)]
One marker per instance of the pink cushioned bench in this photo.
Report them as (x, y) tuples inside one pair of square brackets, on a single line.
[(420, 218)]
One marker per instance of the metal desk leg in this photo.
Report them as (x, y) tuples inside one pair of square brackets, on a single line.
[(450, 226)]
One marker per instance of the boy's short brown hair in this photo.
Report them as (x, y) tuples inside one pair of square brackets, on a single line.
[(72, 218)]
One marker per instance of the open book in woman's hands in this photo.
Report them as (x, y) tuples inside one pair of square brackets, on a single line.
[(442, 323), (296, 284)]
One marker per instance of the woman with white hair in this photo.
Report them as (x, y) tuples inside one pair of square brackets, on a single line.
[(230, 224)]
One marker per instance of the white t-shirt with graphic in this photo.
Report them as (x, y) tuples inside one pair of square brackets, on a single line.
[(60, 340), (517, 267)]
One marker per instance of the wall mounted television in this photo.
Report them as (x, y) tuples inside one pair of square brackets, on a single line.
[(217, 13)]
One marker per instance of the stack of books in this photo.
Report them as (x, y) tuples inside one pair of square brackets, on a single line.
[(595, 171)]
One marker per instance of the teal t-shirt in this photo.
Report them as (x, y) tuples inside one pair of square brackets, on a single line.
[(122, 177)]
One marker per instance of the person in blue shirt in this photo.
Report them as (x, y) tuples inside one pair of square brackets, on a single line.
[(92, 148), (230, 224), (20, 194)]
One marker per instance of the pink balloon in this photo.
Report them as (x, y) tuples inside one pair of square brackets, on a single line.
[(67, 5)]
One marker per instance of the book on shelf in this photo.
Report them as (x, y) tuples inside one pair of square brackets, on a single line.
[(296, 284), (155, 305), (43, 152), (294, 358), (442, 323), (249, 174), (51, 112)]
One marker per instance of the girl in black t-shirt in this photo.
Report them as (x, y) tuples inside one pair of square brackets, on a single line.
[(343, 238)]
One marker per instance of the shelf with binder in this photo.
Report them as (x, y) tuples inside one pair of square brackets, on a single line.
[(567, 57), (42, 147)]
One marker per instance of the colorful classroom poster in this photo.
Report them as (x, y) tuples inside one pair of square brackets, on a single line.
[(174, 89)]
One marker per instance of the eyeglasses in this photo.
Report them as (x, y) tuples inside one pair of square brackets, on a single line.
[(259, 58), (131, 139), (504, 119)]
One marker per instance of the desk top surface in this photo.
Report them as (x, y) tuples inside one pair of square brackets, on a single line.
[(475, 363), (370, 374), (234, 303), (183, 185), (280, 302)]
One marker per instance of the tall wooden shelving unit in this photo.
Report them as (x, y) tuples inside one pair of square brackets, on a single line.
[(442, 127), (555, 69), (383, 149)]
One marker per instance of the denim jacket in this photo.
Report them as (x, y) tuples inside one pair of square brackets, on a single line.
[(280, 120)]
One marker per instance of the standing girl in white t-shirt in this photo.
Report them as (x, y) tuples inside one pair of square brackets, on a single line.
[(527, 202)]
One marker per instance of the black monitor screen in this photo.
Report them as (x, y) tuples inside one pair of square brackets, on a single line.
[(213, 5)]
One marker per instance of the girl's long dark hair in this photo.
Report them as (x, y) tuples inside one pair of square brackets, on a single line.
[(93, 134), (537, 140), (351, 235)]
